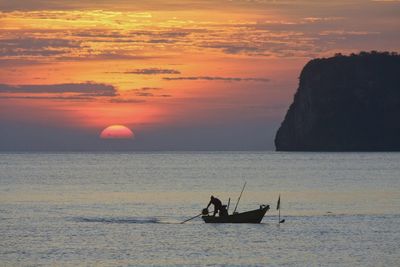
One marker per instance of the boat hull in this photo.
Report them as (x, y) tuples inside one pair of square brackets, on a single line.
[(253, 216)]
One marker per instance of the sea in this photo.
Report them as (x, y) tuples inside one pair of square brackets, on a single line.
[(126, 209)]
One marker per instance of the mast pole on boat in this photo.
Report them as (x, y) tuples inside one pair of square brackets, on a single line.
[(237, 203)]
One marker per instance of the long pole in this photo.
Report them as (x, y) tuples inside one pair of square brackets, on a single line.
[(191, 218), (237, 203)]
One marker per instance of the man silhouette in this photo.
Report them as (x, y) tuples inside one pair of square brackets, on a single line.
[(217, 204)]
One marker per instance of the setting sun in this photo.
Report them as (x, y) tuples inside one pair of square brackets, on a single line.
[(117, 132)]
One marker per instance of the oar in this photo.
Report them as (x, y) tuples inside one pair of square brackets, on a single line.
[(191, 218)]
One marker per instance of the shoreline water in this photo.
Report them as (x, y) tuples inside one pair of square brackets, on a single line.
[(78, 209)]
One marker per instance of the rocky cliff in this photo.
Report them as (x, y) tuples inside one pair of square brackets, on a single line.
[(345, 103)]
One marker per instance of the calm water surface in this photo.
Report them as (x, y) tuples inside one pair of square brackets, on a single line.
[(341, 209)]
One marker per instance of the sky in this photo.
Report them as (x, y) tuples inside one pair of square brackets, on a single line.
[(181, 74)]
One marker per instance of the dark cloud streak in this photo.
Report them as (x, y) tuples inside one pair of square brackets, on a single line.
[(61, 98), (216, 78), (126, 101), (153, 71), (30, 46), (85, 89)]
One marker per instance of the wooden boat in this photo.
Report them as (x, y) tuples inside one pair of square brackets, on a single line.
[(253, 216)]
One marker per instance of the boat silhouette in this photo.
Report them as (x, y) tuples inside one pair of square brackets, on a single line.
[(253, 216)]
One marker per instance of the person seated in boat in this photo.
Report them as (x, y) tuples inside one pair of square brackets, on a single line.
[(217, 205)]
